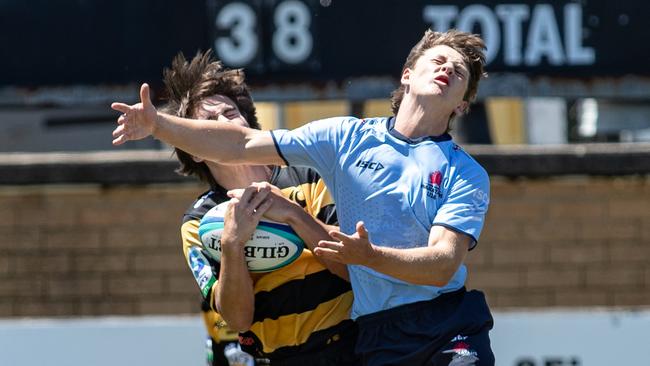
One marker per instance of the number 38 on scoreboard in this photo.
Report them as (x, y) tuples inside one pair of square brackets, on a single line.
[(264, 35)]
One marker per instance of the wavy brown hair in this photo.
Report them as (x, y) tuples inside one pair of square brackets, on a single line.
[(470, 46), (187, 83)]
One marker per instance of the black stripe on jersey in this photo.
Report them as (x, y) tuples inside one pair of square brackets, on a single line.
[(315, 343), (314, 290)]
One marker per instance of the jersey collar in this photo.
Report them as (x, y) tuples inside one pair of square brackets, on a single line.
[(390, 126)]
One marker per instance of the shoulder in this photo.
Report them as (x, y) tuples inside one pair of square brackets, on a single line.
[(203, 204)]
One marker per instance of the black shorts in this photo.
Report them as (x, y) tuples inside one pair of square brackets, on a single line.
[(451, 327), (336, 352)]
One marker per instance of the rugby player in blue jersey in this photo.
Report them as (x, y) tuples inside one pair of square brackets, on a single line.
[(411, 203)]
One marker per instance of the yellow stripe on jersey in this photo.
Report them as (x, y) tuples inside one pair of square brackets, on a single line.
[(295, 329), (305, 265), (312, 196)]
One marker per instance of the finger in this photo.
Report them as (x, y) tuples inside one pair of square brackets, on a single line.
[(361, 230), (119, 140), (121, 107), (259, 197), (247, 194), (235, 193), (332, 245), (340, 236), (118, 131), (327, 254), (262, 208), (145, 95), (261, 185)]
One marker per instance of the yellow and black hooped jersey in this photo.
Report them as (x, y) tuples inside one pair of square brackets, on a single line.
[(299, 308)]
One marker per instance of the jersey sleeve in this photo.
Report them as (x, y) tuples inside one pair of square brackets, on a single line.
[(466, 205), (314, 145), (204, 269)]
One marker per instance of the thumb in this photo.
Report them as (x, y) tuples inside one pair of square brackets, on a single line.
[(145, 97), (361, 230)]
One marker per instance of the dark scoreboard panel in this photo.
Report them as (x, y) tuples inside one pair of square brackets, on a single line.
[(116, 41)]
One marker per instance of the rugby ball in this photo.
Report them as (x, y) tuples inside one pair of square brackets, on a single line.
[(273, 245)]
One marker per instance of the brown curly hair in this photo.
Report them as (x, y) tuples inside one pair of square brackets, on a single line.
[(188, 83), (470, 46)]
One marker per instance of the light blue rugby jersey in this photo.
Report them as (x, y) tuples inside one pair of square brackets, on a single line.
[(398, 187)]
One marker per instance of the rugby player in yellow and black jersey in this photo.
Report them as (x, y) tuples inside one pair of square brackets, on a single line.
[(297, 314), (300, 310)]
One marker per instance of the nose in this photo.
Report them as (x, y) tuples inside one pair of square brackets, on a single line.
[(447, 68)]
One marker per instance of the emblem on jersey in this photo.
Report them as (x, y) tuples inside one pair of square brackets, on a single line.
[(370, 165), (432, 186), (201, 269)]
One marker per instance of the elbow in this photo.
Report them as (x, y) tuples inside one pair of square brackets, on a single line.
[(239, 325), (443, 275), (239, 319)]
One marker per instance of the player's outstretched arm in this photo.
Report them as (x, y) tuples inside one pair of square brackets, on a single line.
[(218, 141), (432, 265)]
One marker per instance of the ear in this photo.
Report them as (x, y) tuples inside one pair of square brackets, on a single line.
[(197, 159), (406, 76), (461, 108)]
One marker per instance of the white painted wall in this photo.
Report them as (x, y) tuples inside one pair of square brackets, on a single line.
[(522, 338)]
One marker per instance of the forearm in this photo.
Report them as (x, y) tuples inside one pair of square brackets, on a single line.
[(215, 140), (234, 296), (311, 231), (423, 266)]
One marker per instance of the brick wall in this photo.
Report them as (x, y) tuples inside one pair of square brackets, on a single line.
[(573, 241), (74, 249)]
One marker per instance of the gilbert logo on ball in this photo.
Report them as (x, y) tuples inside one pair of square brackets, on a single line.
[(273, 245)]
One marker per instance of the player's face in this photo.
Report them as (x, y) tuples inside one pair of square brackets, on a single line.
[(220, 108), (440, 71)]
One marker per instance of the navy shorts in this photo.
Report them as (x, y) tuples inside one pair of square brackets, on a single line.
[(451, 329)]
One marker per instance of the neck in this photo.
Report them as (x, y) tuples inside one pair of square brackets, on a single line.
[(415, 120), (239, 176)]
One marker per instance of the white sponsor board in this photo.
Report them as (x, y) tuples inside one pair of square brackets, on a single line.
[(522, 338)]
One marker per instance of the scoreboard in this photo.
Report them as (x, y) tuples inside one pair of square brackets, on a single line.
[(71, 42)]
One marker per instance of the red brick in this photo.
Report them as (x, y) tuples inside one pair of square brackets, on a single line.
[(161, 262), (497, 230), (630, 208), (6, 308), (132, 237), (525, 210), (580, 297), (107, 261), (632, 297), (107, 306), (570, 253), (183, 285), (523, 298), (7, 215), (75, 286), (552, 277), (577, 210), (494, 278), (629, 251), (135, 285), (602, 276), (21, 286), (72, 239), (551, 230), (524, 253), (164, 305), (609, 229), (480, 255), (40, 308)]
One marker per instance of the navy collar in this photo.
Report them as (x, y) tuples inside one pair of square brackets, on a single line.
[(390, 126)]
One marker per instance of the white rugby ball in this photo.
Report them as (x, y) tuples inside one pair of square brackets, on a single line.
[(273, 245)]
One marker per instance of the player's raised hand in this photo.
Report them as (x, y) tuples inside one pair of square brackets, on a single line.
[(136, 121), (350, 249)]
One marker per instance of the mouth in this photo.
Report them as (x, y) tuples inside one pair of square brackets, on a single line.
[(442, 79)]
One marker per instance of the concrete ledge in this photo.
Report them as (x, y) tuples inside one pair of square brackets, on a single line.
[(148, 167)]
